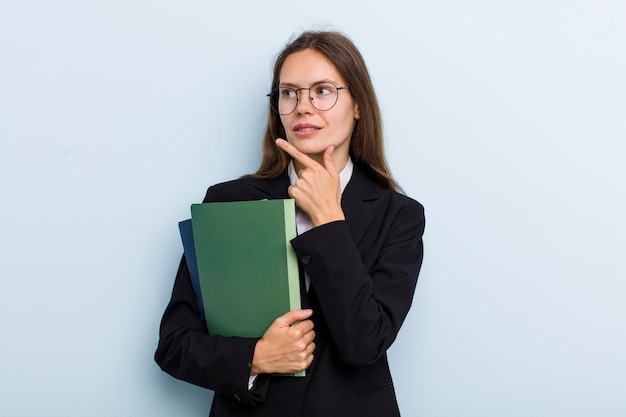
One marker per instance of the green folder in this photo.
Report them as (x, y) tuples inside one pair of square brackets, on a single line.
[(247, 269)]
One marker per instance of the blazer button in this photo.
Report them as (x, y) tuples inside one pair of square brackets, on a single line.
[(305, 259)]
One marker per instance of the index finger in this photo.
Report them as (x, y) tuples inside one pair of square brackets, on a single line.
[(294, 316), (303, 158)]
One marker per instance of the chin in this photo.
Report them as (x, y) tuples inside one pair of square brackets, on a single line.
[(309, 148)]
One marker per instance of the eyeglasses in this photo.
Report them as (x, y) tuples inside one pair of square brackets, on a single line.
[(323, 96)]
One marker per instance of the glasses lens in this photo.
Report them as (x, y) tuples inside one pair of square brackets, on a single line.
[(323, 96), (286, 99)]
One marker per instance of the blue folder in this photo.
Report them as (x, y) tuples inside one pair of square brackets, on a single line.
[(186, 234)]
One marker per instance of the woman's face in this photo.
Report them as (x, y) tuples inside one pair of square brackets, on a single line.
[(310, 130)]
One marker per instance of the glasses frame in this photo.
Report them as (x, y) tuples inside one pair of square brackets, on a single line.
[(274, 105)]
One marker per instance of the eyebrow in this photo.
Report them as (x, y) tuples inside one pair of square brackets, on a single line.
[(292, 85)]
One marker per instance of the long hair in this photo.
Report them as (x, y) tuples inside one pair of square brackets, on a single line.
[(366, 144)]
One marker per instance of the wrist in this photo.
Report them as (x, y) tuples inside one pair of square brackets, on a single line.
[(329, 216), (256, 368), (324, 218)]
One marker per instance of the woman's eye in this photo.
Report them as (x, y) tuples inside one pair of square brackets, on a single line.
[(324, 90), (287, 93)]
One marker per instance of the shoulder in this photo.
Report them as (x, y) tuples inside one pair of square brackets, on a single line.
[(242, 189), (234, 190), (364, 188), (406, 202), (401, 218), (403, 211)]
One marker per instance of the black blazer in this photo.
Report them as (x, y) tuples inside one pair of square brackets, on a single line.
[(363, 274)]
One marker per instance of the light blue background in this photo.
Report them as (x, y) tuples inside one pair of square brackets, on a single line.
[(506, 119)]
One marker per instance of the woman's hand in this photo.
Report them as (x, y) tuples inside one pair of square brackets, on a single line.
[(287, 345), (317, 190)]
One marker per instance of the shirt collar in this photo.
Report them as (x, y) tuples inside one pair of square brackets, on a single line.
[(344, 175)]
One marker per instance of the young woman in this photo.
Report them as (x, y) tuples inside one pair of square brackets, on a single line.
[(359, 245)]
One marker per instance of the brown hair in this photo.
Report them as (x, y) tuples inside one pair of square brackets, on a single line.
[(366, 144)]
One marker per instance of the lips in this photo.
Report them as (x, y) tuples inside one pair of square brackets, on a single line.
[(305, 129)]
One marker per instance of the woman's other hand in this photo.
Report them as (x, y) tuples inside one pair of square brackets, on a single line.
[(287, 345)]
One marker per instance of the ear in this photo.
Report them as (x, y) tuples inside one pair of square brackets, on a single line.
[(357, 113)]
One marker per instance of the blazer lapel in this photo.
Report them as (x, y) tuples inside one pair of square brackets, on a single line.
[(276, 188), (358, 215)]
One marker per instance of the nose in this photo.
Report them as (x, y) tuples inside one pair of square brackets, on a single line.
[(304, 106)]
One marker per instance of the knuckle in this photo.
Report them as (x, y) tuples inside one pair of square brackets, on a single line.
[(296, 332), (301, 346)]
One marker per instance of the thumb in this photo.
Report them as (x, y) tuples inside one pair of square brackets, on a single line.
[(329, 162), (293, 316)]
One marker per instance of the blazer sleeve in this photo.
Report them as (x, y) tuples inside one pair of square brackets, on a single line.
[(188, 352), (365, 292)]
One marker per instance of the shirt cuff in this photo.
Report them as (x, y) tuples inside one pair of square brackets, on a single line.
[(251, 381)]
